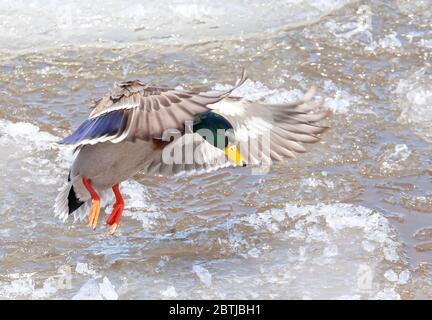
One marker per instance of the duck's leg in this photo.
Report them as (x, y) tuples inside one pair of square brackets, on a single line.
[(93, 215), (116, 214)]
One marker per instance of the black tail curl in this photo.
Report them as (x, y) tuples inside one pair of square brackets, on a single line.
[(73, 202)]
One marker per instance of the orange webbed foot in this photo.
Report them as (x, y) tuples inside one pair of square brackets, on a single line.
[(114, 218), (93, 215)]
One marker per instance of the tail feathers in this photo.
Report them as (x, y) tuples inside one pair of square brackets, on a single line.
[(66, 202), (73, 202), (61, 206)]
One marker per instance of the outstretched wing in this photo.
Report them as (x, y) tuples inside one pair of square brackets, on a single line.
[(267, 132), (284, 128), (189, 153), (135, 110)]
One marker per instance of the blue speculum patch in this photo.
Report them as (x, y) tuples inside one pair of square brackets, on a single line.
[(104, 125)]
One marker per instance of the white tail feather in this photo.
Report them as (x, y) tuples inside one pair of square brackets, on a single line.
[(81, 213), (61, 208)]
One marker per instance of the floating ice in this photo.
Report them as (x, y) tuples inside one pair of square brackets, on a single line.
[(368, 246), (163, 261), (83, 268), (390, 41), (254, 253), (340, 101), (17, 288), (170, 292), (89, 291), (337, 100), (391, 276), (387, 294), (26, 168), (358, 30), (92, 290), (26, 286), (27, 134), (203, 274), (33, 25), (392, 160), (404, 277), (415, 8), (331, 251), (48, 290), (138, 204), (313, 239), (255, 90), (310, 242), (414, 97), (425, 43), (107, 290)]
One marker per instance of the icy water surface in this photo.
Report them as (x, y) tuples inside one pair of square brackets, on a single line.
[(351, 219)]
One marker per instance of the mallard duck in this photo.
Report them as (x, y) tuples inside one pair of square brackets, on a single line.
[(139, 127)]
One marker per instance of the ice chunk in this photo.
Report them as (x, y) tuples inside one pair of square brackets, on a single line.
[(163, 261), (107, 290), (50, 287), (138, 205), (414, 97), (425, 43), (331, 251), (63, 280), (341, 100), (254, 253), (337, 229), (33, 25), (31, 134), (89, 291), (401, 279), (391, 276), (358, 30), (18, 288), (404, 277), (365, 277), (203, 274), (390, 41), (92, 290), (387, 294), (392, 160), (415, 8), (170, 292), (255, 90), (390, 253), (368, 246), (83, 268), (351, 297)]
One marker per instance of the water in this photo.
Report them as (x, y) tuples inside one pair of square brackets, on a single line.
[(351, 219)]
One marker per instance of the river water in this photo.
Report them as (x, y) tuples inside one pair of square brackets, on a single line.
[(351, 219)]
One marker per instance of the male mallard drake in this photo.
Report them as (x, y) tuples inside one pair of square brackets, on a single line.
[(138, 127)]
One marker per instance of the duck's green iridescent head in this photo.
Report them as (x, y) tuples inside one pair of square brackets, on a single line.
[(218, 131), (212, 126)]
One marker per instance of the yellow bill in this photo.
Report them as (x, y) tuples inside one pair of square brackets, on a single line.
[(234, 155)]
